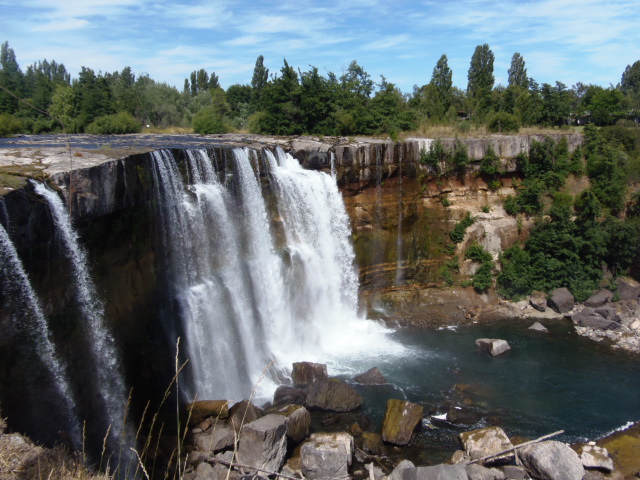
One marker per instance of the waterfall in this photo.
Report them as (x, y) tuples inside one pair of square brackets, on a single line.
[(256, 278), (109, 381), (31, 320)]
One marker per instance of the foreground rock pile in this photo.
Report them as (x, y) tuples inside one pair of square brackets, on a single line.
[(245, 441)]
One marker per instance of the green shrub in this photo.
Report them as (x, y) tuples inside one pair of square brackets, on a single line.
[(457, 234), (9, 125), (207, 120), (117, 124), (445, 202), (486, 209), (511, 205), (477, 254), (490, 163), (503, 122), (482, 280)]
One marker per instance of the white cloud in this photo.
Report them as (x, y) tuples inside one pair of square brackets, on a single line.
[(64, 25)]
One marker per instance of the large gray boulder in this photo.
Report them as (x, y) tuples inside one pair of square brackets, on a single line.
[(306, 373), (327, 456), (598, 299), (478, 472), (442, 472), (263, 443), (486, 441), (400, 420), (333, 395), (561, 300), (628, 289), (551, 460), (588, 317), (493, 346), (202, 409), (373, 376), (538, 327)]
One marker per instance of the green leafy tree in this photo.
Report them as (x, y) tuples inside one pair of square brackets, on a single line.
[(208, 120), (10, 78), (441, 83), (481, 78), (259, 81), (518, 72), (630, 81), (556, 104)]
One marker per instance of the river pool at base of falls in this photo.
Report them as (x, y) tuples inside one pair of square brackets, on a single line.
[(547, 382)]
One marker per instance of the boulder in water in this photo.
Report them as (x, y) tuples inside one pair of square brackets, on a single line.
[(327, 455), (494, 346), (207, 408), (242, 413), (551, 460), (561, 300), (373, 376), (306, 373), (400, 420), (486, 441), (538, 327), (286, 395), (478, 472), (372, 443), (263, 443), (333, 395), (405, 470)]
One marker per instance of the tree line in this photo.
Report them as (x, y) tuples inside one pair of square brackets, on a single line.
[(295, 102)]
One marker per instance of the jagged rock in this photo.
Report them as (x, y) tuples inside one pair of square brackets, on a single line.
[(478, 472), (355, 429), (514, 472), (538, 327), (286, 395), (334, 395), (628, 289), (561, 300), (494, 346), (599, 299), (373, 376), (400, 419), (551, 460), (372, 443), (207, 408), (595, 457), (205, 472), (538, 300), (219, 438), (306, 373), (442, 472), (299, 424), (405, 470), (326, 455), (331, 419), (242, 413), (486, 441), (263, 443)]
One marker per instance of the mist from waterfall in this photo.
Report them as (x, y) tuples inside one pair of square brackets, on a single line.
[(251, 290)]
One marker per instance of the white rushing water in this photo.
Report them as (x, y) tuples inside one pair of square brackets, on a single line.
[(32, 321), (250, 293), (110, 383)]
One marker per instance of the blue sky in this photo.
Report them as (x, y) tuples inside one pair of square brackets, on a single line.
[(567, 40)]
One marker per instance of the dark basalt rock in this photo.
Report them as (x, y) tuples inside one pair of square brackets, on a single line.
[(561, 300), (371, 377), (333, 395)]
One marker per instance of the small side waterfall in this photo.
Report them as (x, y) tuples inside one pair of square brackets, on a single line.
[(110, 384), (30, 319), (259, 279)]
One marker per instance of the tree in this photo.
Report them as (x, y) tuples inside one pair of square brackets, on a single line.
[(10, 78), (518, 72), (481, 78), (259, 81), (630, 82), (441, 82)]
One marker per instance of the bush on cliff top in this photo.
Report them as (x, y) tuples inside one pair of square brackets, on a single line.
[(117, 124)]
